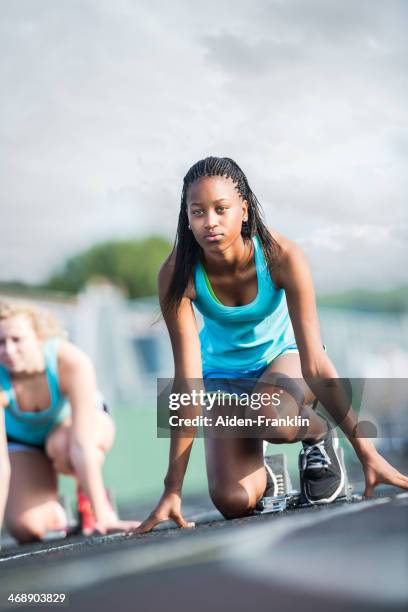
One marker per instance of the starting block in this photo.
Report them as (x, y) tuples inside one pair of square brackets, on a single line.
[(73, 523), (280, 495)]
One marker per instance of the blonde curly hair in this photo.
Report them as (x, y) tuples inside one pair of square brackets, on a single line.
[(44, 323)]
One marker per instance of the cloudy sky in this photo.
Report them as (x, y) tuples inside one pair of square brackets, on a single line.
[(105, 105)]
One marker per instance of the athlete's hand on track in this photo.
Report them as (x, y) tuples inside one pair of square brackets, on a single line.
[(168, 508), (378, 471), (114, 525)]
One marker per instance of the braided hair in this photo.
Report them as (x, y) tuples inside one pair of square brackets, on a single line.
[(188, 251)]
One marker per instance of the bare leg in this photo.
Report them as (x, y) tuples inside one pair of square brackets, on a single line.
[(236, 474), (32, 505), (235, 466), (58, 442), (290, 365)]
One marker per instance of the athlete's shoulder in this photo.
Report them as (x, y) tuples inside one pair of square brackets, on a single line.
[(71, 359), (290, 254), (287, 247), (74, 366), (289, 250)]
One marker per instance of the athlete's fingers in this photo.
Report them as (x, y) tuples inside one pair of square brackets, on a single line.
[(401, 481), (117, 527), (151, 522), (148, 524), (87, 532), (130, 525), (98, 530), (369, 489), (125, 526), (181, 522), (396, 478)]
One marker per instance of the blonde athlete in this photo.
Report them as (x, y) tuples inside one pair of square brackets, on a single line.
[(51, 422)]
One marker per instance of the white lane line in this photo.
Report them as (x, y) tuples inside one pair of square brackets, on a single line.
[(73, 575), (199, 519), (62, 547)]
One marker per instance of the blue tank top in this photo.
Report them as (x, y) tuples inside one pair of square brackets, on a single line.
[(33, 427), (243, 337)]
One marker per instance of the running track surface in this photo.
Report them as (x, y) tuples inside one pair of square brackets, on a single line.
[(339, 557)]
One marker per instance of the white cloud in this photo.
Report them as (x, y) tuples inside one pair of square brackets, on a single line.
[(337, 237), (338, 252)]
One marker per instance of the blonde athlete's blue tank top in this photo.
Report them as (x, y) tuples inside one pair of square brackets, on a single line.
[(33, 427), (240, 338)]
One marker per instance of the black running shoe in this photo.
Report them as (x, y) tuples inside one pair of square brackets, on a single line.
[(321, 471)]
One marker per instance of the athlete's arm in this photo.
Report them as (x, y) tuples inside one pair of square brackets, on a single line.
[(295, 278), (183, 331), (78, 383), (4, 460)]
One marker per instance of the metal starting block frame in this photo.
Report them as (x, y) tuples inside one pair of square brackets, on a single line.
[(292, 499), (73, 527)]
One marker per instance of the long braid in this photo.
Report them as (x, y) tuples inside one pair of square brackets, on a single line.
[(188, 252)]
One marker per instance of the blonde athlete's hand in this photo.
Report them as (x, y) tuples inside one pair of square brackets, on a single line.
[(378, 471), (113, 525), (168, 508)]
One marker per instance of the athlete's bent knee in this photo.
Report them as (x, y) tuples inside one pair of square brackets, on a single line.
[(232, 502), (25, 529), (286, 435), (31, 525), (57, 445)]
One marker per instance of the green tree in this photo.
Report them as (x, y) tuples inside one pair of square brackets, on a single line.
[(391, 300), (132, 264)]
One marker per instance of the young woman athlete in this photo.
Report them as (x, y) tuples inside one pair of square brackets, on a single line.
[(51, 421), (255, 292)]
